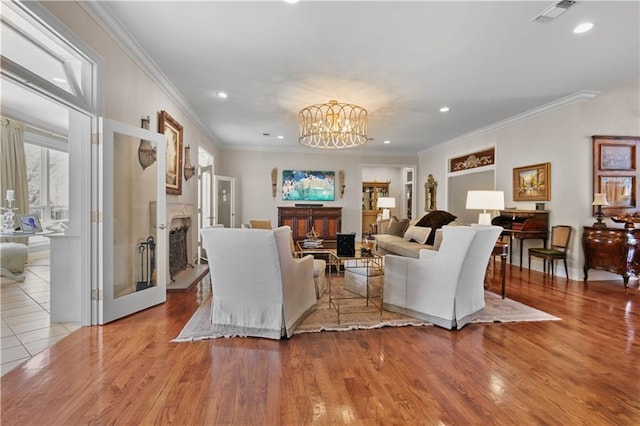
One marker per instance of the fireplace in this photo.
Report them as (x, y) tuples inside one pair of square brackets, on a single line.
[(181, 227)]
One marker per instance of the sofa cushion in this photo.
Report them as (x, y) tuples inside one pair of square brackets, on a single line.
[(435, 220), (418, 234), (399, 246), (397, 226)]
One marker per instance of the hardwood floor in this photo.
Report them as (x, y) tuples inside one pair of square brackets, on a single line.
[(584, 369)]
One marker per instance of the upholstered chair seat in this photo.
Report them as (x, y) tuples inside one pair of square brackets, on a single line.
[(259, 288), (445, 287)]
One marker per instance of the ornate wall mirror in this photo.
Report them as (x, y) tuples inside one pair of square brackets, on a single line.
[(430, 194)]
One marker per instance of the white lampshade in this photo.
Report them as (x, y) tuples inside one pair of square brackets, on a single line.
[(386, 203), (600, 199), (485, 200)]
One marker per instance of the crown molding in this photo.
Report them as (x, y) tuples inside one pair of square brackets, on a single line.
[(123, 38), (584, 95), (306, 150)]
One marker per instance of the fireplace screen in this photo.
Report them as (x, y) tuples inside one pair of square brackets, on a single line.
[(178, 260)]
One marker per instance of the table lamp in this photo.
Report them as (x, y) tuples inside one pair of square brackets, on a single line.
[(599, 199), (485, 200), (386, 203)]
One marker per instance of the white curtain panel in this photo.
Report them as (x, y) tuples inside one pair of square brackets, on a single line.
[(13, 165)]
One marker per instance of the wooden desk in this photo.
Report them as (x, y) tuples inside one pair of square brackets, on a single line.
[(523, 225), (614, 250)]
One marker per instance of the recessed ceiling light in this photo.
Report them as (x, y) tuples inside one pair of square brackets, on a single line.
[(583, 28), (280, 137), (222, 95), (445, 109), (387, 142), (291, 1), (59, 80)]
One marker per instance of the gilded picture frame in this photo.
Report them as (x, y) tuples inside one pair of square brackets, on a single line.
[(173, 131), (532, 183)]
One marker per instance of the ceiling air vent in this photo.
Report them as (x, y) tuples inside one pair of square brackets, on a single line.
[(553, 11)]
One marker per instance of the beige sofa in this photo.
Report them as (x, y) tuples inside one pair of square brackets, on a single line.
[(400, 241)]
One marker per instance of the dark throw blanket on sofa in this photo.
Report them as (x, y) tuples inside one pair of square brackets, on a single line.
[(435, 220)]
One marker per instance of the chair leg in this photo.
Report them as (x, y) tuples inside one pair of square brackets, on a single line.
[(565, 267)]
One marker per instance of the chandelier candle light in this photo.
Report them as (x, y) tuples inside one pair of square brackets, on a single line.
[(7, 222), (485, 200), (599, 199), (333, 126), (386, 203)]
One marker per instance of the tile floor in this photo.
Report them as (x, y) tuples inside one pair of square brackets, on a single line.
[(24, 314)]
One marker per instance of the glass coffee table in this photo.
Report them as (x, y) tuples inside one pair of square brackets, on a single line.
[(370, 267)]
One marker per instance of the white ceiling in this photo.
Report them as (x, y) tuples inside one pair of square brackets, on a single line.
[(400, 60)]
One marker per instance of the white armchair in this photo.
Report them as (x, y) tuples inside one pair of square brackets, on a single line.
[(259, 288), (445, 287)]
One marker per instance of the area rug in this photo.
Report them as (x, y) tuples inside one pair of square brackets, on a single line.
[(324, 318)]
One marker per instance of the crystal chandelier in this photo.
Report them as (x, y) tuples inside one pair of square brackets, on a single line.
[(333, 126)]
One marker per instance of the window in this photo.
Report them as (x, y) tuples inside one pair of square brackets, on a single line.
[(48, 183)]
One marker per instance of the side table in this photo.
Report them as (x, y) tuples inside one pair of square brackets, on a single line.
[(502, 249), (369, 263)]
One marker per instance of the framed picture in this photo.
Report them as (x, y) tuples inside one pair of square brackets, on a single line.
[(173, 131), (532, 183), (29, 223), (617, 157), (616, 174)]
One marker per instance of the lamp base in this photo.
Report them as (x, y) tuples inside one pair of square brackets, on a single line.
[(385, 214), (484, 219)]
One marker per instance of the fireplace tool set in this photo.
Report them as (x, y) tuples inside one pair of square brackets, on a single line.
[(147, 252)]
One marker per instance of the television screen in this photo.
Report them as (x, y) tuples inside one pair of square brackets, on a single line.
[(305, 185)]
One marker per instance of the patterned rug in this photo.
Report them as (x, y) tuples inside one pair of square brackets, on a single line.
[(325, 318)]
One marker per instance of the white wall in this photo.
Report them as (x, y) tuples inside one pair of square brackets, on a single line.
[(252, 171), (561, 137), (393, 175)]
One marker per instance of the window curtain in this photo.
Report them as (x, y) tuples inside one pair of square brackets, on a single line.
[(13, 165)]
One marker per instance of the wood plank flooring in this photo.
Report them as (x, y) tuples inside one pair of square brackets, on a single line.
[(584, 369)]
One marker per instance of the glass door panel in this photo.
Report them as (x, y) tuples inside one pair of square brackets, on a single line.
[(224, 201), (134, 250), (205, 204)]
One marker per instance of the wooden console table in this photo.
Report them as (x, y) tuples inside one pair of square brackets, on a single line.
[(614, 250)]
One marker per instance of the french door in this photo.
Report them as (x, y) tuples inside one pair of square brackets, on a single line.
[(224, 203), (134, 266)]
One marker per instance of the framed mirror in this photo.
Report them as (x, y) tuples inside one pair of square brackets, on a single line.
[(615, 173), (430, 194)]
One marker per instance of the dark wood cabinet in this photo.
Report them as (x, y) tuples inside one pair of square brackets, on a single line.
[(614, 250), (326, 221)]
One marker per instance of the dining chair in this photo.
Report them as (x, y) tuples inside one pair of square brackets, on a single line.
[(560, 236)]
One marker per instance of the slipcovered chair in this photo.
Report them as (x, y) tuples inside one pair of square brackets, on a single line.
[(445, 287), (259, 288)]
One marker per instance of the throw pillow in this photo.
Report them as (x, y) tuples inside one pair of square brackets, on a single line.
[(397, 227), (260, 224), (435, 220), (418, 234)]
